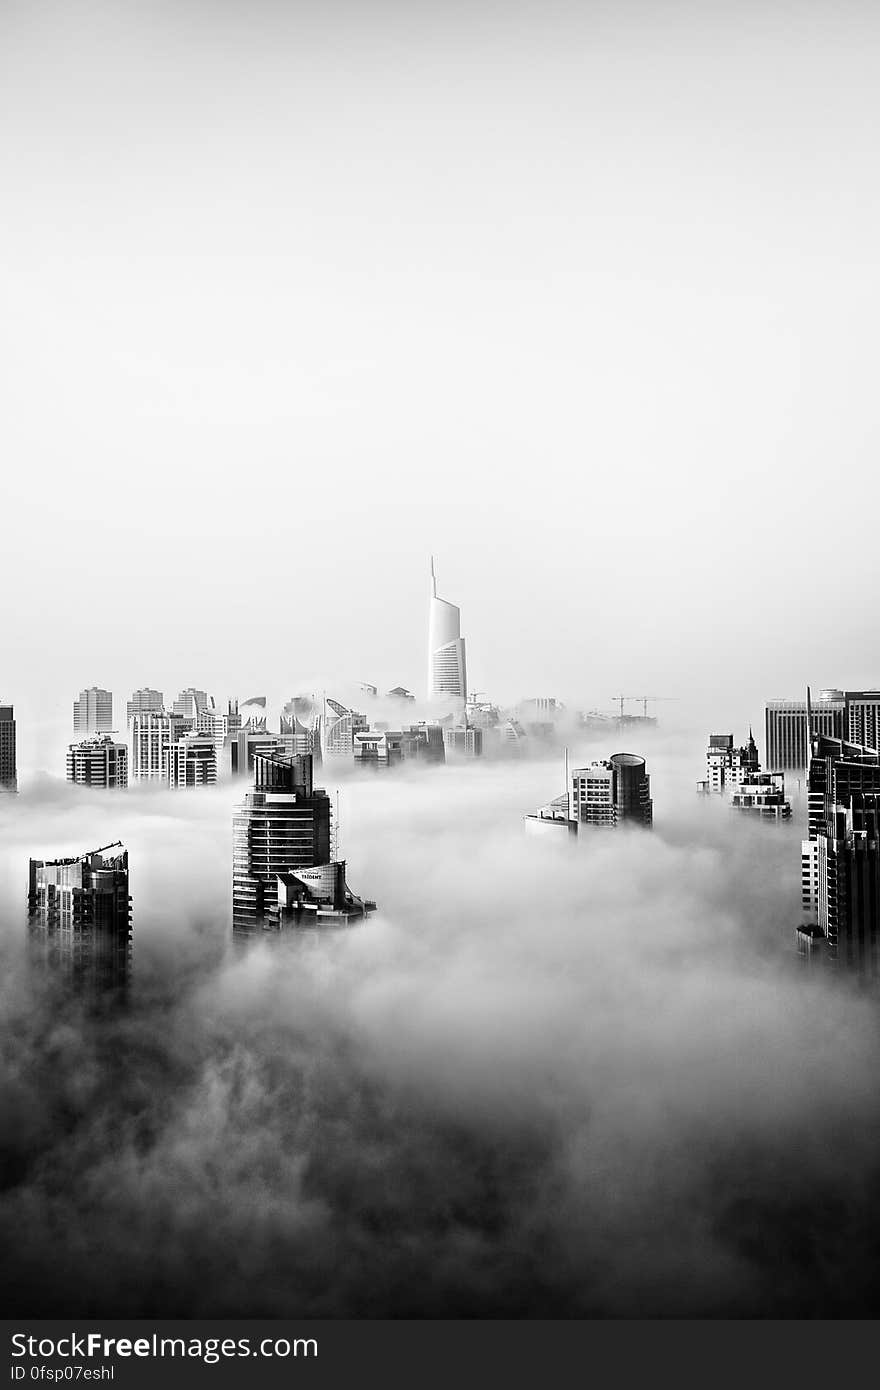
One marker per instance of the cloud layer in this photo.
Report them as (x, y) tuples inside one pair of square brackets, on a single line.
[(545, 1079)]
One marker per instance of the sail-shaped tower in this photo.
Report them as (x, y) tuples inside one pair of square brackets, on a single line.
[(447, 669)]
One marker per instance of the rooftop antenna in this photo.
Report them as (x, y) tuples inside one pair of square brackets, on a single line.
[(433, 579)]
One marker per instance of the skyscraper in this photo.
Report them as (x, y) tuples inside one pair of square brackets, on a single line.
[(447, 666), (612, 793), (848, 853), (607, 793), (762, 794), (152, 733), (93, 711), (283, 825), (8, 773), (786, 728), (192, 760), (338, 726), (727, 766), (144, 700), (79, 914), (838, 771), (190, 703), (863, 718), (220, 726), (98, 762)]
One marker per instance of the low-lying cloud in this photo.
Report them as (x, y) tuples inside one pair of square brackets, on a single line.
[(546, 1078)]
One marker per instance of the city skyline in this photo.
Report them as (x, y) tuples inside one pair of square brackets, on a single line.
[(368, 949)]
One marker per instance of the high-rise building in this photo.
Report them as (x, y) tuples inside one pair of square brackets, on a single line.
[(786, 728), (93, 711), (461, 741), (338, 726), (726, 766), (98, 762), (447, 664), (282, 826), (838, 771), (8, 772), (609, 793), (190, 703), (79, 915), (192, 760), (243, 745), (616, 791), (221, 726), (762, 794), (143, 701), (152, 734), (848, 857), (863, 718)]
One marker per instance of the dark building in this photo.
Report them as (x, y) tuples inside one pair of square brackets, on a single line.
[(840, 859), (849, 882), (283, 826), (79, 917), (8, 773)]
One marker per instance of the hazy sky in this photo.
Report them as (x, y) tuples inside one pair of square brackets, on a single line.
[(581, 297)]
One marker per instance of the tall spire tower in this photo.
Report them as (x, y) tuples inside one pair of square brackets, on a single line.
[(447, 667)]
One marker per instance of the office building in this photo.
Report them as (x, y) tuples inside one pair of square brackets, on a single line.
[(243, 745), (762, 794), (400, 692), (377, 748), (447, 664), (616, 792), (192, 760), (152, 734), (726, 766), (8, 770), (318, 897), (93, 711), (838, 771), (605, 794), (98, 762), (848, 908), (462, 741), (221, 726), (142, 701), (282, 826), (190, 703), (337, 728), (863, 718), (511, 735), (785, 728), (79, 916)]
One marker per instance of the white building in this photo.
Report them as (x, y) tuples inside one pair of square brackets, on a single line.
[(93, 711), (762, 794), (143, 700), (447, 665), (462, 741), (152, 733), (192, 761), (728, 767)]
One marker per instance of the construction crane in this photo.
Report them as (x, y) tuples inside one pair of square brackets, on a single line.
[(115, 844), (644, 699)]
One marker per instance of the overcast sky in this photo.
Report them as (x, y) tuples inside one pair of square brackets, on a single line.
[(583, 298)]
